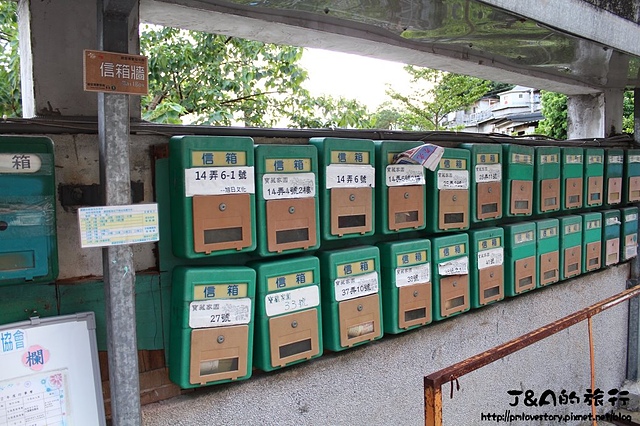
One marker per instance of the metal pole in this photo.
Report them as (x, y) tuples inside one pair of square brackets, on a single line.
[(633, 329), (117, 261)]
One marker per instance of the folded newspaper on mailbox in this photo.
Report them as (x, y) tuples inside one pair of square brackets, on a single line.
[(427, 155)]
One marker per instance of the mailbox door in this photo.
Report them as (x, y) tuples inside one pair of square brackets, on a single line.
[(406, 207), (614, 191), (525, 272), (594, 252), (521, 196), (454, 294), (490, 284), (351, 210), (489, 200), (549, 268), (572, 261), (359, 319), (612, 252), (218, 353), (634, 189), (549, 194), (454, 209), (293, 337), (414, 305), (573, 193), (595, 190), (291, 224), (221, 222)]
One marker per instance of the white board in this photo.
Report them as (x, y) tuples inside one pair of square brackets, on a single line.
[(49, 372)]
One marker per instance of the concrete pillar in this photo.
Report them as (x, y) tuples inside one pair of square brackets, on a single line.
[(595, 116), (51, 68)]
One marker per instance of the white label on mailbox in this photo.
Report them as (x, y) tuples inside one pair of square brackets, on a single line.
[(492, 257), (615, 159), (453, 179), (458, 266), (630, 251), (630, 217), (286, 302), (350, 176), (19, 163), (276, 186), (634, 158), (612, 221), (417, 274), (405, 174), (356, 286), (219, 181), (488, 173), (219, 312)]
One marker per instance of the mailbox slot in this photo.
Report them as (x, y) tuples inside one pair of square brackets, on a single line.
[(351, 210), (454, 294), (595, 190), (489, 196), (490, 284), (525, 274), (573, 192), (612, 251), (549, 194), (406, 207), (359, 319), (293, 337), (218, 353), (614, 192), (549, 269), (414, 305), (221, 222), (454, 209), (593, 256), (521, 196), (291, 224), (572, 256)]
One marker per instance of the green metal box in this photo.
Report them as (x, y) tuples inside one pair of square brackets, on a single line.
[(611, 237), (211, 325), (593, 177), (518, 174), (287, 200), (546, 190), (486, 266), (406, 284), (570, 246), (451, 288), (351, 303), (347, 179), (486, 181), (28, 242), (632, 176), (520, 272), (448, 192), (212, 193), (572, 178), (400, 198), (629, 237), (548, 251), (613, 171), (591, 241), (288, 313)]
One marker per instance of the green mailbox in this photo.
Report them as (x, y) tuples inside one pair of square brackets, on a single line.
[(593, 177), (613, 171), (400, 198), (518, 173), (572, 178), (347, 179), (629, 217), (570, 246), (28, 243), (451, 288), (486, 181), (592, 241), (448, 189), (351, 304), (632, 176), (287, 198), (548, 251), (212, 195), (611, 237), (520, 272), (486, 260), (546, 192), (406, 284), (211, 332), (288, 315)]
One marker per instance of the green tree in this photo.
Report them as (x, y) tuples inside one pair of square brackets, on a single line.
[(435, 94), (554, 110), (329, 112), (10, 97), (627, 112)]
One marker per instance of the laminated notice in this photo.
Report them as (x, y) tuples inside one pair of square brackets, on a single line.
[(630, 251), (417, 274), (488, 173), (288, 185), (350, 176), (356, 286), (458, 266), (492, 257), (285, 302), (219, 180), (405, 174), (219, 312), (453, 179)]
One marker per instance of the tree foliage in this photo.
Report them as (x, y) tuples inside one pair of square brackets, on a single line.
[(554, 110), (329, 112), (627, 112), (10, 95)]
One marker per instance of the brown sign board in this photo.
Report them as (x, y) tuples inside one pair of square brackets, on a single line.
[(111, 72)]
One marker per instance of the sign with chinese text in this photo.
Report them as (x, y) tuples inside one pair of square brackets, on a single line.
[(117, 225), (115, 73)]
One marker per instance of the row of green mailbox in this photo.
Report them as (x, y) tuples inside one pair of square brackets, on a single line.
[(224, 191), (275, 313)]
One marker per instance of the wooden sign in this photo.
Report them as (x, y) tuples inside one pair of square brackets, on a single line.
[(115, 73)]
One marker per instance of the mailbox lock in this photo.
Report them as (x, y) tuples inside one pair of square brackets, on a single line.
[(490, 190), (294, 324), (359, 308), (491, 275), (521, 187), (3, 225), (574, 184), (406, 195), (454, 198), (220, 339), (415, 293), (292, 210), (352, 197), (455, 283), (526, 264), (222, 207)]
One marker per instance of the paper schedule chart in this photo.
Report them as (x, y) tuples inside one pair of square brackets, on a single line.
[(116, 225)]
